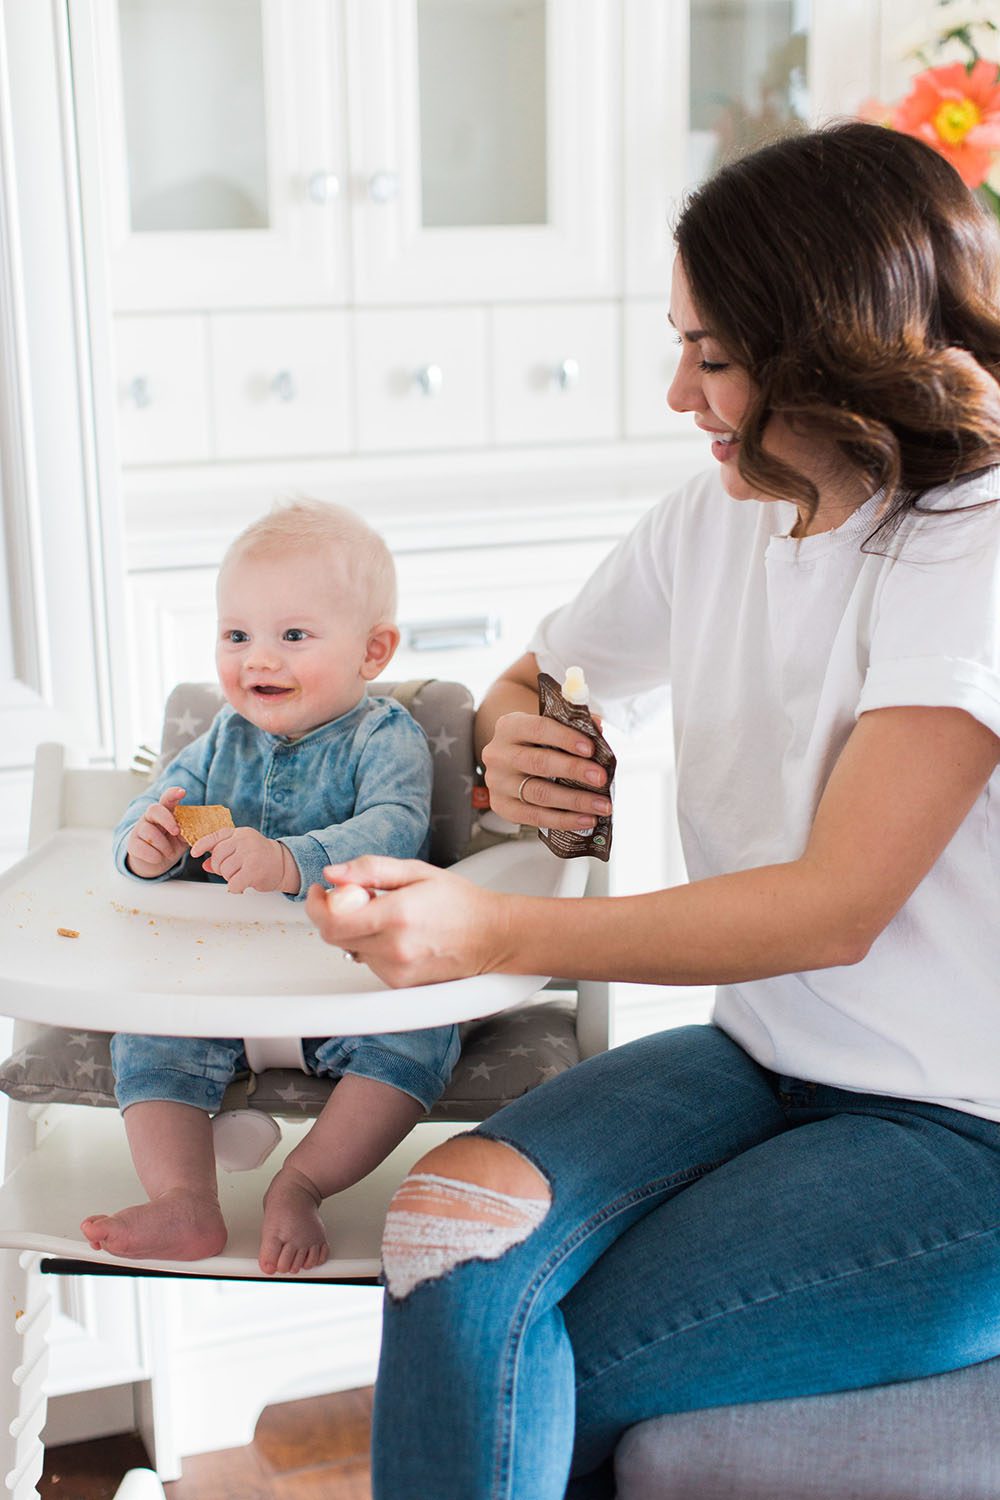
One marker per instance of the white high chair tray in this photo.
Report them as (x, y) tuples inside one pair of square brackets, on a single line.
[(190, 959)]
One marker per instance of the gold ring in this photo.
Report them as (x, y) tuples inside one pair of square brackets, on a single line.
[(520, 790)]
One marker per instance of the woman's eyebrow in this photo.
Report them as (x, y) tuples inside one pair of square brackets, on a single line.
[(691, 334)]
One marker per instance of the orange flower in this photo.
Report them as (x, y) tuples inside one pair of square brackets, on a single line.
[(957, 111)]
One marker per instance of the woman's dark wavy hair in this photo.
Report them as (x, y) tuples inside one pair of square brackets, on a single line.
[(843, 268)]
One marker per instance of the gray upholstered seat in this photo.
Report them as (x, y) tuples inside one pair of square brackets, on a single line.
[(931, 1439)]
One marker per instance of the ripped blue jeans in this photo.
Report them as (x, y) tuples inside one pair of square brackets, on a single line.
[(716, 1235)]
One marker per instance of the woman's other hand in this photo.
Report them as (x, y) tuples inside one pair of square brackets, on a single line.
[(424, 926), (522, 760)]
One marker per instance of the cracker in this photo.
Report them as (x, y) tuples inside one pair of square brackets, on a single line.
[(67, 932), (195, 822)]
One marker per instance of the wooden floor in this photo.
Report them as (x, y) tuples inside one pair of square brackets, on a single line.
[(302, 1450)]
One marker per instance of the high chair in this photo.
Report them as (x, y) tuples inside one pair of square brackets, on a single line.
[(85, 952)]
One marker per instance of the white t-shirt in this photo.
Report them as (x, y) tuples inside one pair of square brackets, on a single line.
[(772, 648)]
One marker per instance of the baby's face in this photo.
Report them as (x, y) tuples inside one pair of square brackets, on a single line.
[(291, 642)]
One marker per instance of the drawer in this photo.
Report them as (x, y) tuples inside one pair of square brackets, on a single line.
[(651, 355), (556, 373), (467, 614), (421, 379), (281, 384), (161, 387)]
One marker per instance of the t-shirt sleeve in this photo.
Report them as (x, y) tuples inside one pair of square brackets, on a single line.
[(936, 631), (617, 628)]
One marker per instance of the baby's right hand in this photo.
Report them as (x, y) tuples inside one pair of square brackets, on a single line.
[(155, 843)]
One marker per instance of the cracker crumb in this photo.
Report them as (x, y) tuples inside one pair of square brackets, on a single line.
[(67, 932)]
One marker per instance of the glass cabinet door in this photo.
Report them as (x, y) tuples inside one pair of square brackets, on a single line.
[(707, 79), (218, 125), (483, 145), (704, 81), (483, 94), (195, 114), (747, 77)]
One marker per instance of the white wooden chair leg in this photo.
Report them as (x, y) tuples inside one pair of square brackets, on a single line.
[(140, 1484), (26, 1303)]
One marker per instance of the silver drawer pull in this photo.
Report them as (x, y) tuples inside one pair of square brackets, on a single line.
[(139, 392), (429, 379), (566, 374), (323, 187), (283, 386), (451, 635)]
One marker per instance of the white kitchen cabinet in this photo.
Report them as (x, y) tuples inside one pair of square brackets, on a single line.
[(705, 79), (281, 383), (484, 146), (557, 373), (422, 378), (397, 161), (215, 150), (162, 395)]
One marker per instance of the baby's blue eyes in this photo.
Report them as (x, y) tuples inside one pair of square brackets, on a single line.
[(240, 637)]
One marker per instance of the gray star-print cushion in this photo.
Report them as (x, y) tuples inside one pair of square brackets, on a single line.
[(444, 711), (502, 1058)]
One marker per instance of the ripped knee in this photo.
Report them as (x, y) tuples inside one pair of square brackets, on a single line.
[(471, 1198)]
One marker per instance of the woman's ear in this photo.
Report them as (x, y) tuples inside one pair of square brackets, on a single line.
[(379, 650)]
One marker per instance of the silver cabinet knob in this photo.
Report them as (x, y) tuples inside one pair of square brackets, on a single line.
[(383, 187), (283, 386), (323, 187), (139, 392), (566, 374), (429, 379)]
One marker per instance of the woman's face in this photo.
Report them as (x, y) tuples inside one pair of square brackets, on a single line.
[(709, 385), (717, 392)]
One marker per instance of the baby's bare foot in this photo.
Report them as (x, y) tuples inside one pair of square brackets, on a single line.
[(178, 1225), (292, 1237)]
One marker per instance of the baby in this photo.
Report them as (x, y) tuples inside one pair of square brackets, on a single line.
[(315, 771)]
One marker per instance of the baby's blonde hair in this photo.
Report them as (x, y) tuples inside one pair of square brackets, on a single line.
[(304, 523)]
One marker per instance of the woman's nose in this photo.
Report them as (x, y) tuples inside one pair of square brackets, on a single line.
[(684, 391)]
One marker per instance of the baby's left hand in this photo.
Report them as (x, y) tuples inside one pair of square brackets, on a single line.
[(244, 858)]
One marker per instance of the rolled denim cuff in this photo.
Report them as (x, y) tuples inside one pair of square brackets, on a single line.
[(171, 1085), (404, 1073)]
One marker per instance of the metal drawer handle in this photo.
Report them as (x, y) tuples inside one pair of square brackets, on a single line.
[(283, 386), (323, 187), (452, 635), (139, 392), (566, 374), (429, 379), (383, 187)]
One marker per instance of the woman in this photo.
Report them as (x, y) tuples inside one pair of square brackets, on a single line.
[(805, 1195)]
